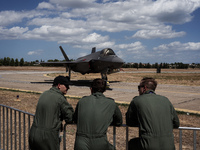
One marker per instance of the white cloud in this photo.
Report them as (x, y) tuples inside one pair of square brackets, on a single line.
[(45, 5), (73, 3), (37, 52), (94, 38), (9, 17), (12, 33), (178, 46), (134, 47), (54, 33), (162, 33), (175, 11), (82, 54), (106, 44), (13, 17)]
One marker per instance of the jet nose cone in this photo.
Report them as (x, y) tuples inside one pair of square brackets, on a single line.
[(117, 59)]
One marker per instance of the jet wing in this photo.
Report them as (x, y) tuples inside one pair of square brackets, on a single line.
[(65, 63)]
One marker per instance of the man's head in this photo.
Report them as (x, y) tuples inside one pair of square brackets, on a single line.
[(98, 85), (146, 84), (62, 83)]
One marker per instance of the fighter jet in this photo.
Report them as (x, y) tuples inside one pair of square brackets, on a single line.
[(104, 62)]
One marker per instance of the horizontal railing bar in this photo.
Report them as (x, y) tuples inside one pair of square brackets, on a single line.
[(180, 128), (17, 110), (188, 128)]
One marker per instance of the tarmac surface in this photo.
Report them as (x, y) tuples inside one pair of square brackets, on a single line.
[(182, 97)]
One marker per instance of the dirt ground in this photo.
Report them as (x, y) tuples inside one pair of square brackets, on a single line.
[(28, 102)]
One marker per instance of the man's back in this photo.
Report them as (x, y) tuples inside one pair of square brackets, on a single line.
[(156, 113), (155, 119), (51, 109), (93, 115), (50, 106)]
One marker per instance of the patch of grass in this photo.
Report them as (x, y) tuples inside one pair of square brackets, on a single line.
[(15, 90)]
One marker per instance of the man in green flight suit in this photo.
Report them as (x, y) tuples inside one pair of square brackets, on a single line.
[(93, 115), (155, 116), (52, 109)]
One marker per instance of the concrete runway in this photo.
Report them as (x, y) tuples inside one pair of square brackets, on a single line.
[(182, 97)]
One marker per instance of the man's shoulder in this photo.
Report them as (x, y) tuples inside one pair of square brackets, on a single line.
[(136, 98), (151, 97), (85, 97), (161, 96), (53, 93), (92, 97), (110, 99)]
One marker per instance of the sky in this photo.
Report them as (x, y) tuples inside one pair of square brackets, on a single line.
[(147, 31)]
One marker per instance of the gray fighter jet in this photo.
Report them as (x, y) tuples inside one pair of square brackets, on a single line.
[(104, 62)]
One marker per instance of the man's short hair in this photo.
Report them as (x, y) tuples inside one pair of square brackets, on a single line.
[(149, 82), (61, 80), (98, 85)]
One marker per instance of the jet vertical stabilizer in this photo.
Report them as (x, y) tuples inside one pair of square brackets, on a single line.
[(64, 54), (67, 59), (93, 50)]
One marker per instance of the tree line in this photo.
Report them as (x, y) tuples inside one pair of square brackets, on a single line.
[(176, 65), (7, 61)]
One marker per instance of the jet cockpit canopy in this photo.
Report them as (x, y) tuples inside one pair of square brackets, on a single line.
[(107, 52)]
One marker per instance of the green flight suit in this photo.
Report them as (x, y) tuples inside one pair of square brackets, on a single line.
[(156, 117), (51, 109), (93, 115)]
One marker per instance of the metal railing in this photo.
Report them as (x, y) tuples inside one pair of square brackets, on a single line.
[(194, 136), (15, 126)]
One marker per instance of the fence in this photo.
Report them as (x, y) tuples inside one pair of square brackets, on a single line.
[(194, 136), (15, 125)]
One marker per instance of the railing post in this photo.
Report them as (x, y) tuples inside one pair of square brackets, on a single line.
[(114, 136), (126, 137), (15, 129), (19, 130), (180, 139), (11, 141), (64, 137), (194, 139), (3, 128), (24, 131), (7, 128), (29, 127), (0, 127)]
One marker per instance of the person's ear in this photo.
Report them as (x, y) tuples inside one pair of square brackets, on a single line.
[(145, 88), (58, 85)]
